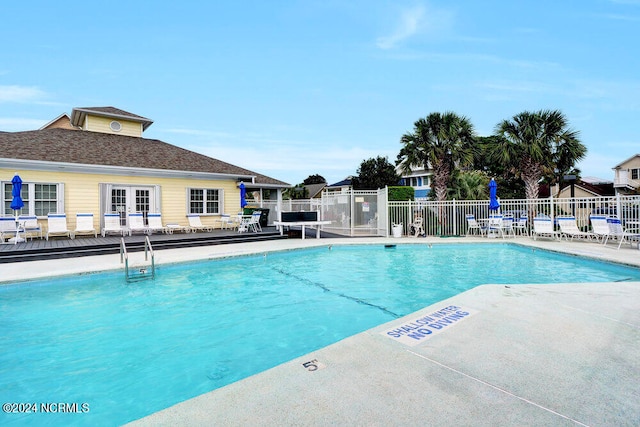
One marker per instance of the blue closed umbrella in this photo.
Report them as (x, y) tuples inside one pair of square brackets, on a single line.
[(16, 202), (243, 195), (493, 195)]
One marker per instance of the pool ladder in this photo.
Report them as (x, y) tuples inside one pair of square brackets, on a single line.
[(142, 272)]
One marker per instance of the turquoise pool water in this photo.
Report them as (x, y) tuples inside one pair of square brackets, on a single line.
[(127, 350)]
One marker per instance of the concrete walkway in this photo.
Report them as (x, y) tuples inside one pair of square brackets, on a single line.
[(494, 355), (529, 356)]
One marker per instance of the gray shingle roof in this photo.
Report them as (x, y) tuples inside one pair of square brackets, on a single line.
[(93, 148), (78, 115)]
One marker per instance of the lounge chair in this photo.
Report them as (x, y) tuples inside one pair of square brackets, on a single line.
[(57, 226), (196, 225), (173, 227), (84, 225), (8, 228), (136, 223), (30, 226), (569, 228), (617, 231), (473, 226), (112, 225), (543, 227), (600, 227), (155, 224)]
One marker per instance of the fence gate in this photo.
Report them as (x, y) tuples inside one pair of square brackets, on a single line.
[(355, 213)]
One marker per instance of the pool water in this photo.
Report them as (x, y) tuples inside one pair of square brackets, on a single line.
[(128, 350)]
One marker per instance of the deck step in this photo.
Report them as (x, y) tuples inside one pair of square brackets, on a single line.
[(48, 252)]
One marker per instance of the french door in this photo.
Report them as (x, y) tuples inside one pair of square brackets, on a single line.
[(128, 199)]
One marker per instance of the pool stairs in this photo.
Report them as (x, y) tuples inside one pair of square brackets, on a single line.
[(140, 272)]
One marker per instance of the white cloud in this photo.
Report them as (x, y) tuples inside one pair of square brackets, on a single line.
[(20, 94), (288, 160), (414, 21)]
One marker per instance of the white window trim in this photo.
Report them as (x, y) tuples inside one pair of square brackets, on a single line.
[(32, 195), (220, 201)]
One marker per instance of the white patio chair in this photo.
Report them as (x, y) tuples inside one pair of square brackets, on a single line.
[(543, 227), (255, 220), (84, 225), (617, 231), (249, 223), (112, 225), (243, 225), (195, 224), (417, 226), (136, 223), (521, 227), (474, 226), (569, 228), (600, 227), (30, 226), (226, 221), (506, 226), (154, 224), (57, 226), (494, 226)]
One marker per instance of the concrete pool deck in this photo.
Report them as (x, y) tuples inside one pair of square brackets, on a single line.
[(522, 355)]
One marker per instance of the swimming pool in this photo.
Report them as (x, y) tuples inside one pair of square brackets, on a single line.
[(127, 350)]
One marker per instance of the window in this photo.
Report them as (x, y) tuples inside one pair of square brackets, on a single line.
[(45, 199), (39, 198), (635, 173), (204, 201)]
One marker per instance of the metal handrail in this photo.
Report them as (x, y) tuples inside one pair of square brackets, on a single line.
[(124, 257), (149, 249)]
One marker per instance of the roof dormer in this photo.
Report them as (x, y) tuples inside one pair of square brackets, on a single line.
[(109, 120)]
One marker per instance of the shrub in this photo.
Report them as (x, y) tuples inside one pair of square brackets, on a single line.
[(401, 194)]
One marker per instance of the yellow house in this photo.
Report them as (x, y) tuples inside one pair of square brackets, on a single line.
[(97, 161), (627, 179)]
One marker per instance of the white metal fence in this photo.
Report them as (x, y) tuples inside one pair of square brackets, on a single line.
[(448, 218), (369, 213)]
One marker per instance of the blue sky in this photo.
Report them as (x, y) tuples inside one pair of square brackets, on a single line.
[(295, 88)]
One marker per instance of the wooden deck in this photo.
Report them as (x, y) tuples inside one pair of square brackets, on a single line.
[(63, 247)]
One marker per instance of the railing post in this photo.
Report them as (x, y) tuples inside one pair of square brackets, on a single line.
[(455, 218)]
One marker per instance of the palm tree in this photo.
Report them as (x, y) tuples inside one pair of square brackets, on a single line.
[(536, 145), (440, 142), (470, 185)]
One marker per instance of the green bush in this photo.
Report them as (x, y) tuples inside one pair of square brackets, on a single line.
[(401, 194)]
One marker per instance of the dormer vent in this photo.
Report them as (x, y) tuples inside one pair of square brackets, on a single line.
[(115, 126)]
